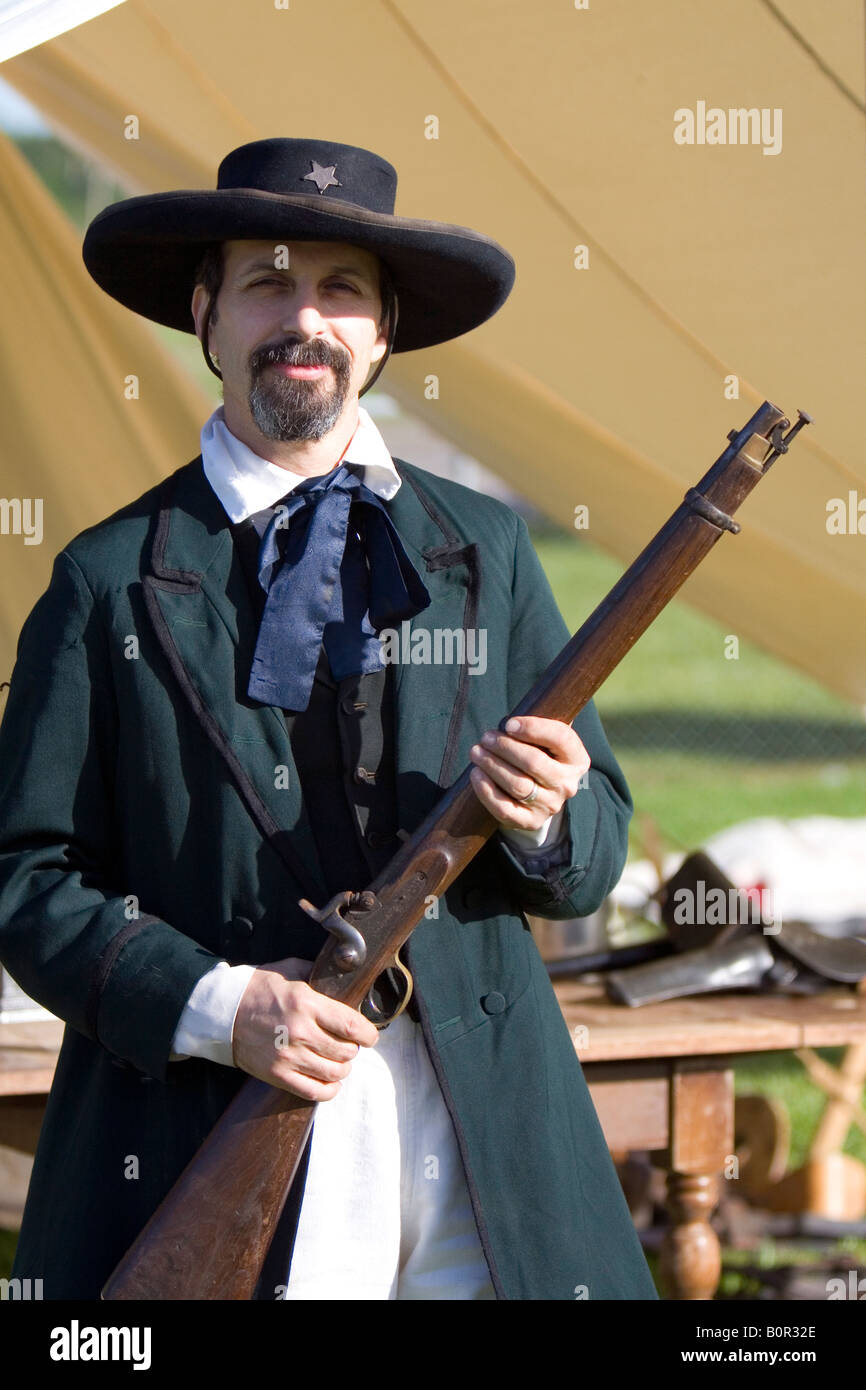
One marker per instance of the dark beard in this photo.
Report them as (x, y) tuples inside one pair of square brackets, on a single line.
[(288, 409)]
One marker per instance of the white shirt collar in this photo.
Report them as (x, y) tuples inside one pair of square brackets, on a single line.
[(246, 483)]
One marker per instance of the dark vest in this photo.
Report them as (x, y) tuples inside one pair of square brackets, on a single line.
[(343, 745)]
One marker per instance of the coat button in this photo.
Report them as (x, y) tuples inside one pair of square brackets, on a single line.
[(473, 897), (243, 926), (493, 1003), (378, 840)]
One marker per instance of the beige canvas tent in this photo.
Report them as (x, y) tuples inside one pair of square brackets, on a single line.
[(678, 262)]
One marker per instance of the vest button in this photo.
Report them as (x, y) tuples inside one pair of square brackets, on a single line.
[(363, 774), (493, 1003), (377, 839), (243, 926)]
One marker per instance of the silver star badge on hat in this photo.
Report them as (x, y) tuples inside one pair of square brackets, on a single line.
[(323, 176)]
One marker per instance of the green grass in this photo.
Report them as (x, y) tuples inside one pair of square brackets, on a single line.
[(680, 659), (692, 798), (705, 741), (782, 1076)]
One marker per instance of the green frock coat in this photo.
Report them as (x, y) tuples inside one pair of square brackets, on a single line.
[(147, 818)]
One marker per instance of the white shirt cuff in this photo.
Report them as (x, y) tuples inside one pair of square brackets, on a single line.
[(542, 838), (206, 1024)]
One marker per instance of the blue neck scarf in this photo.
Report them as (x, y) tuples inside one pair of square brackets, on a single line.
[(328, 581)]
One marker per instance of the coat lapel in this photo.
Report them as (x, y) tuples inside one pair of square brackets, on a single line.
[(430, 698), (197, 601)]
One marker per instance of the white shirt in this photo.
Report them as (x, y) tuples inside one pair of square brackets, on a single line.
[(246, 483)]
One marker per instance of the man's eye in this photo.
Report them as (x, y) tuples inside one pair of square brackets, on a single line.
[(332, 284)]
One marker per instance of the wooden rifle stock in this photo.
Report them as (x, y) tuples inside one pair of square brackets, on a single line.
[(209, 1237)]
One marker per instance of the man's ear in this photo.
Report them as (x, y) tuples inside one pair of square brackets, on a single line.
[(200, 301), (379, 348), (387, 326)]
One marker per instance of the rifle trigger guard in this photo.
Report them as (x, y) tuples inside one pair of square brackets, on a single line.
[(351, 948), (395, 981)]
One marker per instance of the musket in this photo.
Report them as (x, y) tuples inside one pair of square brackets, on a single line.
[(209, 1237)]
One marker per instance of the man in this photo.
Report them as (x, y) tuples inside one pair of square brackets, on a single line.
[(202, 727)]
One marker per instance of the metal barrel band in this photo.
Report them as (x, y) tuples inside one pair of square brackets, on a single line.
[(700, 504)]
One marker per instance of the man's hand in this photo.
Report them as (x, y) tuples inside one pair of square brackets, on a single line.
[(544, 752), (292, 1037)]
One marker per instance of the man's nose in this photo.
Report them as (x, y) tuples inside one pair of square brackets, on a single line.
[(301, 316)]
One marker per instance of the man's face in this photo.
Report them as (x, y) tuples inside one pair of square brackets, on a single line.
[(294, 343)]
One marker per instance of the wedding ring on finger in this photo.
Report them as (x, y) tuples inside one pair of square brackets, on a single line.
[(532, 795)]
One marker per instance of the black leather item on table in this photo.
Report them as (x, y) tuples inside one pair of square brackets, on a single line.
[(771, 956)]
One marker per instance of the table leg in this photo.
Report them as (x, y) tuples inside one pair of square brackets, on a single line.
[(690, 1261), (701, 1100), (21, 1121)]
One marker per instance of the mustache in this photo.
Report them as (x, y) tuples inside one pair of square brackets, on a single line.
[(316, 353)]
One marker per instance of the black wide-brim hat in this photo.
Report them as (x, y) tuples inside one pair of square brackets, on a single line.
[(144, 251)]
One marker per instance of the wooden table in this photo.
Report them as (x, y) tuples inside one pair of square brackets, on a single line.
[(28, 1053), (661, 1077)]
